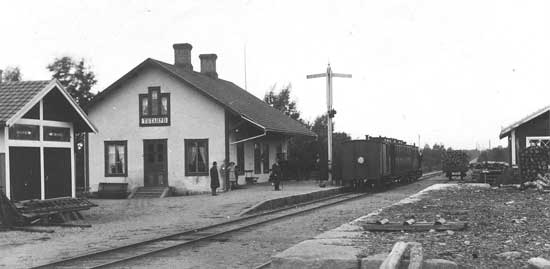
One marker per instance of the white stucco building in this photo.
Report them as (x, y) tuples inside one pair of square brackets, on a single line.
[(164, 124)]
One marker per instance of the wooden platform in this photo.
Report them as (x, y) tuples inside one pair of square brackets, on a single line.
[(417, 227)]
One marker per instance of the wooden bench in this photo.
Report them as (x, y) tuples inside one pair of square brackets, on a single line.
[(112, 190)]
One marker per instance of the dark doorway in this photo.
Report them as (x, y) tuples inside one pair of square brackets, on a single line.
[(57, 172), (155, 163), (24, 173), (240, 158)]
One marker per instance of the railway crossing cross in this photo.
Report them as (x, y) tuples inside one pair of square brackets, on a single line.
[(330, 113)]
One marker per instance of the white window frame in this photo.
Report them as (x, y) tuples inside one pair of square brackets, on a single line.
[(528, 140)]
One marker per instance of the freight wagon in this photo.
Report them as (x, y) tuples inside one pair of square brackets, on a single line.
[(378, 161)]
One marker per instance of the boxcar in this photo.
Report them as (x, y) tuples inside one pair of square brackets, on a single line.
[(378, 161)]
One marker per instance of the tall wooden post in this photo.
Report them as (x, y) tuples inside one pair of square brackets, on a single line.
[(330, 113)]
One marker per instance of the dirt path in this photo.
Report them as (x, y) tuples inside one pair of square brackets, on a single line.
[(121, 222)]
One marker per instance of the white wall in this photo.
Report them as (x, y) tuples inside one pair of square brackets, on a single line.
[(193, 116), (2, 140)]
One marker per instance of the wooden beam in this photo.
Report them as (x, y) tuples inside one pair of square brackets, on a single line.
[(316, 75), (341, 75), (417, 227), (416, 255), (395, 256)]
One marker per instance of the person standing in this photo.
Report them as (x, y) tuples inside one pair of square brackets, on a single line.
[(232, 175), (214, 178), (276, 175), (223, 173)]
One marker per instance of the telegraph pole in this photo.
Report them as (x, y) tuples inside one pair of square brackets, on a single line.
[(330, 113)]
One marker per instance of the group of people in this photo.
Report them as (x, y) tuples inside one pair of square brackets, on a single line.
[(228, 171), (231, 172)]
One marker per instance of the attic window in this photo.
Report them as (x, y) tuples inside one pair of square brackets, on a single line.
[(154, 108)]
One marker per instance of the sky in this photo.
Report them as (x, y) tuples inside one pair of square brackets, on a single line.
[(451, 72)]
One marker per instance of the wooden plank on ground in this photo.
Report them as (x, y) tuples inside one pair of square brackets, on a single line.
[(32, 230), (67, 225), (417, 227)]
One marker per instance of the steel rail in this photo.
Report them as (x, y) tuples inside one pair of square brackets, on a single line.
[(90, 256), (356, 196), (186, 232), (267, 264)]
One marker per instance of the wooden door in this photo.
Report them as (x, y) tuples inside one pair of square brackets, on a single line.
[(155, 163), (240, 158), (57, 172), (25, 173)]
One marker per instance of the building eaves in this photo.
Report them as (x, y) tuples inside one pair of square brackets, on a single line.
[(506, 131)]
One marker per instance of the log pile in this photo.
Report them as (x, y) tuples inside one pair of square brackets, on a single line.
[(455, 161), (542, 183), (534, 162)]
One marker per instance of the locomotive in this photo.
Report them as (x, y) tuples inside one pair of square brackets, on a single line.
[(379, 161)]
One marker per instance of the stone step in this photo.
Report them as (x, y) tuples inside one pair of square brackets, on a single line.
[(145, 196), (151, 192), (152, 188)]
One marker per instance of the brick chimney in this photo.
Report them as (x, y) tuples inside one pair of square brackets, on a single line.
[(1, 75), (208, 65), (182, 56)]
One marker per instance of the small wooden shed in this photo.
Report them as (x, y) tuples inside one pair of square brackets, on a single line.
[(38, 120), (530, 130)]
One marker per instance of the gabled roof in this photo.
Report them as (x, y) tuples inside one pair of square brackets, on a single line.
[(17, 98), (15, 95), (506, 131), (225, 93)]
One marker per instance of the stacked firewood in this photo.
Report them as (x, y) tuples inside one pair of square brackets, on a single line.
[(534, 162), (455, 161), (542, 183)]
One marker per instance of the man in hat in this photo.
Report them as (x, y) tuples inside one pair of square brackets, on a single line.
[(214, 178)]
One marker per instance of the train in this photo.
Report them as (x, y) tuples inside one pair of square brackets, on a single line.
[(375, 162)]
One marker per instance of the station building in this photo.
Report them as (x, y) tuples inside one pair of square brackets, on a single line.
[(162, 125), (532, 129), (38, 120)]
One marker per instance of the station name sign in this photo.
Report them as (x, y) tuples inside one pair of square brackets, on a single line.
[(160, 120)]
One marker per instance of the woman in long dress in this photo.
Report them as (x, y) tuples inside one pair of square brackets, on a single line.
[(232, 177)]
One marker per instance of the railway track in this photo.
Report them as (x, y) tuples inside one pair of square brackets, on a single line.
[(267, 264), (119, 255)]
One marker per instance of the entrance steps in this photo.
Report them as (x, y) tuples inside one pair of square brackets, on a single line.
[(151, 192)]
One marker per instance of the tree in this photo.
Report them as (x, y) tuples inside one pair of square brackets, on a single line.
[(320, 125), (78, 80), (498, 154), (432, 157), (11, 74), (75, 76), (282, 102)]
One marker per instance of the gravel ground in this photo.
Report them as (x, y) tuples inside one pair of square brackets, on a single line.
[(120, 222), (248, 249), (500, 221)]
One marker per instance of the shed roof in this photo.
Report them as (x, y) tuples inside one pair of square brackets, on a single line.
[(15, 95), (506, 131), (17, 98), (226, 93)]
